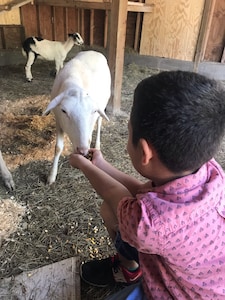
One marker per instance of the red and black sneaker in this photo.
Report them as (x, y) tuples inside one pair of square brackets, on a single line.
[(107, 272)]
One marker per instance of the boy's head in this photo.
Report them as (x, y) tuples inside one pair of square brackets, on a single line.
[(182, 115)]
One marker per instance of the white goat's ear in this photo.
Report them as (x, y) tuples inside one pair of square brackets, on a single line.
[(53, 104), (102, 114)]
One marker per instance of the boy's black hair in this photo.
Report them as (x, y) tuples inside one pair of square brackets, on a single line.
[(182, 115)]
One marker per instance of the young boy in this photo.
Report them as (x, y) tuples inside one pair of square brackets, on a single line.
[(170, 230)]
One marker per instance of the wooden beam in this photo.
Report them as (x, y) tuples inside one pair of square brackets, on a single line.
[(78, 4), (117, 35), (103, 5), (139, 7)]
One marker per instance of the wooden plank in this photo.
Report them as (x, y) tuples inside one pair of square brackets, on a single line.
[(130, 30), (13, 36), (29, 20), (171, 30), (53, 24), (86, 25), (118, 20), (14, 4), (137, 32), (92, 14), (9, 17), (57, 281), (59, 24), (216, 36), (45, 22), (66, 22), (106, 27), (223, 56), (79, 21), (203, 32), (82, 31), (98, 28), (139, 7), (138, 29), (73, 20), (2, 38)]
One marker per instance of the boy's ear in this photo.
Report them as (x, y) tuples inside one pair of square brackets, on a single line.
[(147, 151)]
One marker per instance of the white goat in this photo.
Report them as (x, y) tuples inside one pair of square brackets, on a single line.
[(6, 175), (80, 93), (36, 47)]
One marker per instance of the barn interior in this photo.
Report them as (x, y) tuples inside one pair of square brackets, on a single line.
[(139, 38)]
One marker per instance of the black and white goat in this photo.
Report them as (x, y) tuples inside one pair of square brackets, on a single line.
[(36, 47), (6, 175)]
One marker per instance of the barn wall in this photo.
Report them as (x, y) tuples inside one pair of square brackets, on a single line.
[(172, 29), (55, 23), (10, 17)]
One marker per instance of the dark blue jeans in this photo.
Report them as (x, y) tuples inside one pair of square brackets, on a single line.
[(125, 249)]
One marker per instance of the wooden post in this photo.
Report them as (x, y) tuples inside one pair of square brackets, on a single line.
[(223, 56), (203, 33), (117, 36), (106, 25)]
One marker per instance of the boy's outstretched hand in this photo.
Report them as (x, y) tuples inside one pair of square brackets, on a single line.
[(96, 157), (101, 176), (78, 160)]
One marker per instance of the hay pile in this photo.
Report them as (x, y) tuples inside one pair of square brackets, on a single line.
[(11, 214)]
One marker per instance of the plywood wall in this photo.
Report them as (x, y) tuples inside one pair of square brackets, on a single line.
[(9, 17), (216, 41), (172, 29)]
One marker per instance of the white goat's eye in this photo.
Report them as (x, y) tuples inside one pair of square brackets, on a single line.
[(63, 110)]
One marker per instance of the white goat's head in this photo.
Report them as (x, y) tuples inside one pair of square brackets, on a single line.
[(76, 114)]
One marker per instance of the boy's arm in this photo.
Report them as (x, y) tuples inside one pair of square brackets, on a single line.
[(108, 188), (130, 182)]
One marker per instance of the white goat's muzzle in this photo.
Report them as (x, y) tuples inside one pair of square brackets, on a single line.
[(82, 151)]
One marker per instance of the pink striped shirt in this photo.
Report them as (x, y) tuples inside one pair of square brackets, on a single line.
[(179, 230)]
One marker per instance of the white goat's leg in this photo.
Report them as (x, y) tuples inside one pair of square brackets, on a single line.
[(58, 65), (6, 175), (30, 61), (58, 150), (99, 124)]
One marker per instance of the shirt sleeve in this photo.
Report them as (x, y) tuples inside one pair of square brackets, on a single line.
[(140, 225)]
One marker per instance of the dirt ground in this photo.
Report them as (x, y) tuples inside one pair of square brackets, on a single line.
[(62, 220)]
